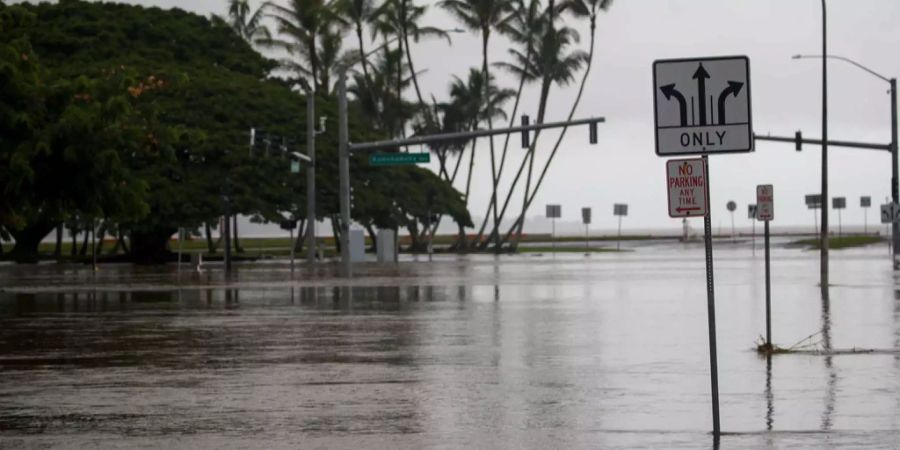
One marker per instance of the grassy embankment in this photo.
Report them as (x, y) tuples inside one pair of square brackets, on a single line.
[(838, 242)]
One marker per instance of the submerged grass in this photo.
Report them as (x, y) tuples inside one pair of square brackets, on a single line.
[(838, 243)]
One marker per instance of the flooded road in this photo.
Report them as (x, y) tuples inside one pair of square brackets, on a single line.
[(606, 351)]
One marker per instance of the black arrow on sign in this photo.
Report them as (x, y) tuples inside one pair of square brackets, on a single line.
[(669, 91), (734, 87), (701, 75)]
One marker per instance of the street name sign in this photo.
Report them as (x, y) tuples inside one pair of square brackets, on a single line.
[(702, 105), (398, 159), (686, 181), (554, 211), (620, 209), (865, 202), (586, 216), (765, 202)]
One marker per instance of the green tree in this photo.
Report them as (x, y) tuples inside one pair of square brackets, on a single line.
[(248, 26), (483, 16)]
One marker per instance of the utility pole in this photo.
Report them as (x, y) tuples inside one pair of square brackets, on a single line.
[(895, 192), (310, 177), (344, 171), (823, 255)]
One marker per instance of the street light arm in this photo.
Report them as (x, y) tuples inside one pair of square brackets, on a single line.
[(848, 60)]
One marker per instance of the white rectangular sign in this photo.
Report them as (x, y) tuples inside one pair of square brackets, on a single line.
[(751, 212), (586, 216), (702, 105), (765, 202), (686, 181)]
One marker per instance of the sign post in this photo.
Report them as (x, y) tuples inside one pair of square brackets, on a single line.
[(732, 206), (865, 202), (751, 214), (553, 212), (814, 202), (586, 220), (620, 210), (702, 106), (765, 201), (839, 203)]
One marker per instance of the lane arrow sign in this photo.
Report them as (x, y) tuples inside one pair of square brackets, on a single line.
[(701, 75), (734, 87), (669, 91)]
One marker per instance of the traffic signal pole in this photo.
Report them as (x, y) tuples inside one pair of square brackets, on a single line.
[(345, 148)]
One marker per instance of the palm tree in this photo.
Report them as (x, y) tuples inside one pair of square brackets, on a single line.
[(247, 26), (301, 25), (399, 19), (523, 23), (358, 12), (551, 62), (378, 99), (479, 100), (483, 16), (589, 9)]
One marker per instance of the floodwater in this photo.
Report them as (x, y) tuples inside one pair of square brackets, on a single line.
[(606, 351)]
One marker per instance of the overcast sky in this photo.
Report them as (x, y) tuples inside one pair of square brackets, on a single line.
[(623, 167)]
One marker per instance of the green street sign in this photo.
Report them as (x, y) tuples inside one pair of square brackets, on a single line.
[(295, 166), (398, 159)]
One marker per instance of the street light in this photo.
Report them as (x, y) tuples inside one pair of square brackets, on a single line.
[(895, 192)]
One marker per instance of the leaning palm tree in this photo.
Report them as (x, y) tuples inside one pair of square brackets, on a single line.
[(248, 26), (589, 9), (550, 62), (301, 25), (483, 16), (358, 12), (400, 19), (522, 24)]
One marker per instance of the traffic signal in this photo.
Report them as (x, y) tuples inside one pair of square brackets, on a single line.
[(798, 140), (525, 140), (593, 132)]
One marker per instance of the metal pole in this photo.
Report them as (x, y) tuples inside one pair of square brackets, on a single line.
[(344, 155), (619, 234), (227, 229), (293, 244), (711, 308), (865, 221), (733, 239), (587, 239), (840, 226), (429, 236), (93, 245), (753, 241), (310, 178), (180, 244), (768, 293), (895, 192), (823, 256), (553, 236)]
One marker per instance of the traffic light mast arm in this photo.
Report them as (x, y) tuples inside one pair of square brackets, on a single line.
[(435, 138), (798, 139)]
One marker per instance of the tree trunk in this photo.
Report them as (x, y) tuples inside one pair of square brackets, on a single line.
[(84, 243), (100, 238), (234, 231), (120, 240), (563, 133), (57, 250), (210, 245), (372, 237), (28, 240), (73, 232), (151, 246)]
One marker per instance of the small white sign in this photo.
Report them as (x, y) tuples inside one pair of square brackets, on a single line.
[(751, 212), (686, 181), (702, 105), (765, 202), (586, 216)]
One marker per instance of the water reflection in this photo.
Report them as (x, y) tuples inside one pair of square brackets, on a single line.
[(770, 397), (831, 384)]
